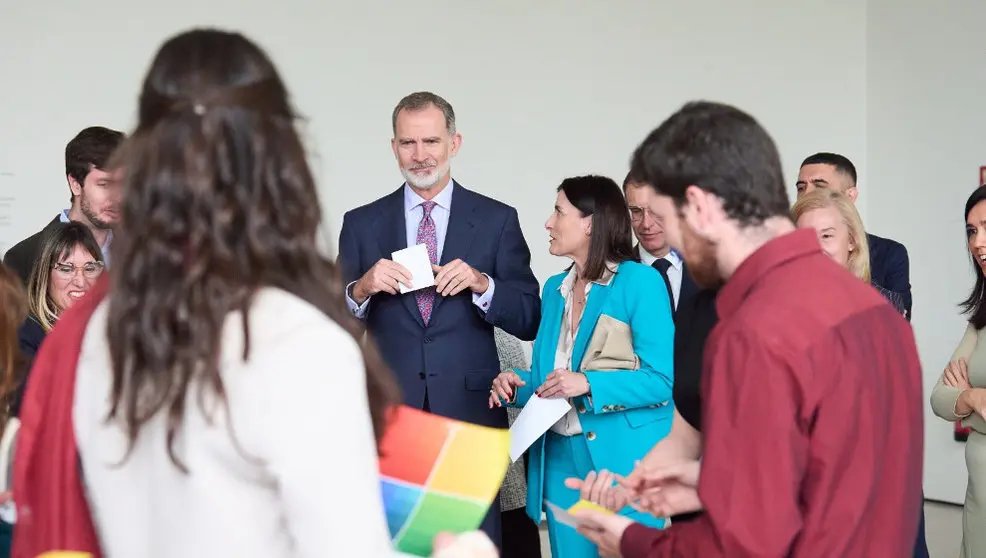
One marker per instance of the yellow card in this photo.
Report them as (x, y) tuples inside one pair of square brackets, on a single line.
[(586, 505)]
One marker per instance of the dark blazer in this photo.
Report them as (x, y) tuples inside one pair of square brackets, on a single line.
[(694, 322), (889, 267), (21, 256), (455, 356), (29, 338), (688, 286)]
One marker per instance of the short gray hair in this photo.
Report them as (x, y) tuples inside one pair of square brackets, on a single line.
[(422, 100)]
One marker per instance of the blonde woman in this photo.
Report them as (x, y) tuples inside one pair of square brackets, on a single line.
[(69, 264), (841, 234)]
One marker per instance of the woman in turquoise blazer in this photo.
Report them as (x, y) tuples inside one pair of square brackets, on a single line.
[(617, 414)]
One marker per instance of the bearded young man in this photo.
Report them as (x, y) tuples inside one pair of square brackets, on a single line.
[(805, 361), (439, 340), (95, 197)]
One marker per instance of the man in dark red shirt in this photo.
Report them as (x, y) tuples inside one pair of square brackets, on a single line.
[(812, 399)]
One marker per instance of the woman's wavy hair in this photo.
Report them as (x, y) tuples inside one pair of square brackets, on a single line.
[(219, 202), (821, 198), (57, 246)]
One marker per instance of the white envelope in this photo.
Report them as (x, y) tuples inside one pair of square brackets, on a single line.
[(534, 420), (416, 260)]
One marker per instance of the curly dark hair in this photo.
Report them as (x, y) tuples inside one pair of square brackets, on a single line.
[(219, 202)]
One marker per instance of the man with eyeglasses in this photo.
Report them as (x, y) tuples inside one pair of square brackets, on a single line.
[(652, 244)]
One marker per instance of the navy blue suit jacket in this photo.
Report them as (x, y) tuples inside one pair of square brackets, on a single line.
[(455, 356), (889, 267)]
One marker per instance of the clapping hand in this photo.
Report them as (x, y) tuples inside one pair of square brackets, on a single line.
[(666, 491)]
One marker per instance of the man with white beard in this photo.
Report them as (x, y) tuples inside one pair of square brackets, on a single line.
[(439, 340)]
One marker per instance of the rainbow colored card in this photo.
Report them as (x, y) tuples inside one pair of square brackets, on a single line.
[(438, 475)]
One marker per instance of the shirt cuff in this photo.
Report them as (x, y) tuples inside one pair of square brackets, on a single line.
[(639, 540), (357, 310), (483, 301)]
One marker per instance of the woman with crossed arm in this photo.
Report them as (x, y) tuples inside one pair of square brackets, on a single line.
[(960, 394)]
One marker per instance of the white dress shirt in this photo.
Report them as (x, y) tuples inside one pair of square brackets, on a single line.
[(413, 214), (570, 425), (674, 271), (287, 470)]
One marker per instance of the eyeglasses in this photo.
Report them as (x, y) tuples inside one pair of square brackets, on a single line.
[(90, 270), (637, 214)]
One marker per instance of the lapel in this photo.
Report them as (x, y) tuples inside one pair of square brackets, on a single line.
[(393, 237), (460, 231), (552, 311), (598, 295)]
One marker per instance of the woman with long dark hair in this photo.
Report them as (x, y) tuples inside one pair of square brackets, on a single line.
[(960, 394), (605, 345), (223, 406)]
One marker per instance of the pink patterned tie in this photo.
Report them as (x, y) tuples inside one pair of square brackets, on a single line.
[(426, 235)]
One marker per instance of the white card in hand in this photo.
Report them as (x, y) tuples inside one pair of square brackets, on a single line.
[(417, 262), (562, 516), (533, 421)]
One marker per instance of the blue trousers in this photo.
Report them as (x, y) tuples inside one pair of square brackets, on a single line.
[(564, 457)]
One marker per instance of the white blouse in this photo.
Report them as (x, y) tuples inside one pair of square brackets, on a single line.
[(299, 481)]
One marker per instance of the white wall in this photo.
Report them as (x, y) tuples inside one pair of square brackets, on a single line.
[(542, 90), (926, 118), (552, 89)]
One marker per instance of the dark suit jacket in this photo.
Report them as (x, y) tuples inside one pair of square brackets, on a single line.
[(29, 338), (889, 267), (688, 286), (696, 317), (455, 356), (21, 256)]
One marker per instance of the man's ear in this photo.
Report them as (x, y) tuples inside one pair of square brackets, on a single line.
[(703, 212), (74, 185), (851, 193), (456, 144)]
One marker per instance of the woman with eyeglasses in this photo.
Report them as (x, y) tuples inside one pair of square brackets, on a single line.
[(69, 264)]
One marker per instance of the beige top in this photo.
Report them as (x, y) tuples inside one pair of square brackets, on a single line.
[(943, 398), (569, 425)]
